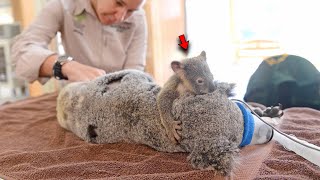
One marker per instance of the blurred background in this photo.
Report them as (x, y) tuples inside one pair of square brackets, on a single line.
[(236, 34)]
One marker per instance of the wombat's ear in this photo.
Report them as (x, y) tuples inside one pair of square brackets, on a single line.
[(176, 66), (203, 54)]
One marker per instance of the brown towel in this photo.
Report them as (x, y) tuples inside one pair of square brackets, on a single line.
[(304, 123), (34, 146)]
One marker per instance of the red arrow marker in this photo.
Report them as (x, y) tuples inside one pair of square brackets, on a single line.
[(184, 44)]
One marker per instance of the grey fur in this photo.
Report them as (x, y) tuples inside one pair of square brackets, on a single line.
[(192, 75), (121, 107)]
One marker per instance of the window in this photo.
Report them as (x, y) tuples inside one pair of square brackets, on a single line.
[(272, 27), (5, 12)]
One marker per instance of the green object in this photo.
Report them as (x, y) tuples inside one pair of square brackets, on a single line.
[(287, 79), (80, 17)]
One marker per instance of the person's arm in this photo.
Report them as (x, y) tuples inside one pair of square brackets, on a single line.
[(30, 48), (73, 70), (47, 66), (136, 54), (30, 54)]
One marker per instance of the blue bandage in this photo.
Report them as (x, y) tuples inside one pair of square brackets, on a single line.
[(248, 125)]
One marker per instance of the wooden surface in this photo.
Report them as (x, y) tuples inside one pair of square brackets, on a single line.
[(166, 21), (23, 11)]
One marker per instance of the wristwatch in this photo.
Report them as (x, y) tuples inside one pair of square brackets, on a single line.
[(61, 60)]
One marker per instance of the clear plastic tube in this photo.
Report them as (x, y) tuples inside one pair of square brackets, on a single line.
[(262, 132)]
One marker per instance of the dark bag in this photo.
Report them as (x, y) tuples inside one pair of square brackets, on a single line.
[(287, 79)]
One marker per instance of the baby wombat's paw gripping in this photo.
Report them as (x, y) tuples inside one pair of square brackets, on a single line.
[(172, 130)]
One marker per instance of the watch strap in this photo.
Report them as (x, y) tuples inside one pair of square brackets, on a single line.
[(57, 67)]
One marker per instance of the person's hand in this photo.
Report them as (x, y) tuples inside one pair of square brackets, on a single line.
[(76, 71)]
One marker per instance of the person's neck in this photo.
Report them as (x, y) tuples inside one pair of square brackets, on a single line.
[(94, 7)]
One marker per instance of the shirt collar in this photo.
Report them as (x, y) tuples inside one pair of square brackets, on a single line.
[(83, 5)]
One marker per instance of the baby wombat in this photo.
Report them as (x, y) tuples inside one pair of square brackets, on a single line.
[(190, 76)]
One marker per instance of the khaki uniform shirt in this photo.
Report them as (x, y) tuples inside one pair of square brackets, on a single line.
[(111, 47)]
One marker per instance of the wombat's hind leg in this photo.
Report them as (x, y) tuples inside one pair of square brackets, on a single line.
[(217, 154)]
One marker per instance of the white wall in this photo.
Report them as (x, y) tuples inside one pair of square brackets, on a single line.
[(208, 28)]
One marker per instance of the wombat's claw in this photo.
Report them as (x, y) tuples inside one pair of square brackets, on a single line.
[(174, 135), (177, 126)]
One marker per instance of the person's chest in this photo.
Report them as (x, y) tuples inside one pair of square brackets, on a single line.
[(92, 43)]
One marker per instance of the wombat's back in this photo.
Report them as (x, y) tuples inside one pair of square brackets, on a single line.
[(107, 113)]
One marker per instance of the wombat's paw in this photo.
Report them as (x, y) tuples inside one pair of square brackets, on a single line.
[(273, 111), (172, 131), (214, 154)]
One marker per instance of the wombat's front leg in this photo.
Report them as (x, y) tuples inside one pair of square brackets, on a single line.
[(164, 102)]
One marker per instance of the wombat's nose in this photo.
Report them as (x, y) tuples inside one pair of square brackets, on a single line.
[(212, 86)]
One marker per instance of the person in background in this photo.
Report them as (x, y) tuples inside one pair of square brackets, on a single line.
[(98, 36)]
